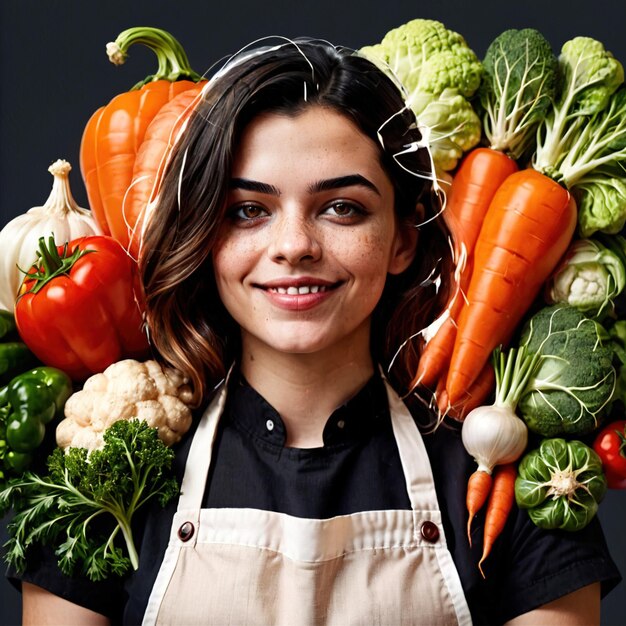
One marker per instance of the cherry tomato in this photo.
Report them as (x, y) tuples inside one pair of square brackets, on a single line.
[(610, 444)]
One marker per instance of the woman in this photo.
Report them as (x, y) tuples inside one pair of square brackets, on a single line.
[(293, 249)]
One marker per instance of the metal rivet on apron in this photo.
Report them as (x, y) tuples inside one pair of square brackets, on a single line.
[(429, 531), (185, 532), (269, 425), (340, 424)]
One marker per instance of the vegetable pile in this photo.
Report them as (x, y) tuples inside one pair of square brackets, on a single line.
[(529, 352), (86, 418)]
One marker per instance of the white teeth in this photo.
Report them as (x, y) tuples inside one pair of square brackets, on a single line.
[(300, 291)]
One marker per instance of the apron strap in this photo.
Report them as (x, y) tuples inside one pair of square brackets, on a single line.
[(413, 456), (200, 452)]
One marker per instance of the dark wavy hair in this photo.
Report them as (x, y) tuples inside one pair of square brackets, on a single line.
[(189, 328)]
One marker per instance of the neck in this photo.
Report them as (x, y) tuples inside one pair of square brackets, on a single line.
[(306, 388)]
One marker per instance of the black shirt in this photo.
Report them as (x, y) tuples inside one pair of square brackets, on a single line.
[(357, 469)]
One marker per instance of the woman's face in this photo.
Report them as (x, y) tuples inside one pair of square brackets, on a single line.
[(309, 237)]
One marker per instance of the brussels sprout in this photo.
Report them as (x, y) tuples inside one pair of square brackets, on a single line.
[(560, 484)]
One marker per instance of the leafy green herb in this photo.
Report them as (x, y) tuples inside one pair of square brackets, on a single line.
[(88, 499)]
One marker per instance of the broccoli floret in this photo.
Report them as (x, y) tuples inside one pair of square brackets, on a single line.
[(520, 74), (573, 383), (439, 73)]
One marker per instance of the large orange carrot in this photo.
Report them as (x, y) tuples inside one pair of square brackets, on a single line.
[(151, 158), (527, 229), (480, 174), (499, 506), (478, 488)]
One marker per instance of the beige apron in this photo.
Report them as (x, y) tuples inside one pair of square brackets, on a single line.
[(246, 566)]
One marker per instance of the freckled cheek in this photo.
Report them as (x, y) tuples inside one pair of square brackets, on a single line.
[(231, 257), (367, 256)]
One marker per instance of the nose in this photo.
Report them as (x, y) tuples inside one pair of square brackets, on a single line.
[(294, 240)]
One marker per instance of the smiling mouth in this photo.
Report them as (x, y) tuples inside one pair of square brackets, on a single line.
[(300, 291)]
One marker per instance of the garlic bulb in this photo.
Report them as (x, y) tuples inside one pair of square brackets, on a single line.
[(59, 216)]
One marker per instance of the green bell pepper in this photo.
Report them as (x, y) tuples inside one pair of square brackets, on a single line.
[(7, 323), (34, 398), (15, 357), (561, 484)]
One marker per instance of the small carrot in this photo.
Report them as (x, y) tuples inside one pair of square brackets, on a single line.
[(478, 488), (499, 506), (480, 174), (436, 354), (475, 396), (527, 229)]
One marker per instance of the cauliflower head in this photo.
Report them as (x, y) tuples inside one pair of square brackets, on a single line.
[(439, 73), (128, 389)]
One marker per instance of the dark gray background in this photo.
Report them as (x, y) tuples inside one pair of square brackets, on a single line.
[(54, 74)]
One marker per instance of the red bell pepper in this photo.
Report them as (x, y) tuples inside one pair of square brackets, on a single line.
[(80, 307), (610, 444)]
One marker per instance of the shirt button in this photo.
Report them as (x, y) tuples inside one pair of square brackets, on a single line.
[(269, 425), (185, 532), (429, 531), (340, 424)]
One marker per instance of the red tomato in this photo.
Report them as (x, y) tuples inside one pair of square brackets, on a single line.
[(79, 308), (610, 444)]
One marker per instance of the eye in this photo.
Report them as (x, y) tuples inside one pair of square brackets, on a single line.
[(344, 209), (247, 212)]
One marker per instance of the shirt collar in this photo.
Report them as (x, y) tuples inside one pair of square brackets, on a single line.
[(357, 418)]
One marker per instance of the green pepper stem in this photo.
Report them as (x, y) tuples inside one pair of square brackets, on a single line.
[(171, 57)]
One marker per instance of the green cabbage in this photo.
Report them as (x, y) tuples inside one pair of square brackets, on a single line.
[(585, 129), (601, 202)]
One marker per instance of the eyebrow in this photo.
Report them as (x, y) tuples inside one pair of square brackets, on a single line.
[(254, 185), (350, 180)]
